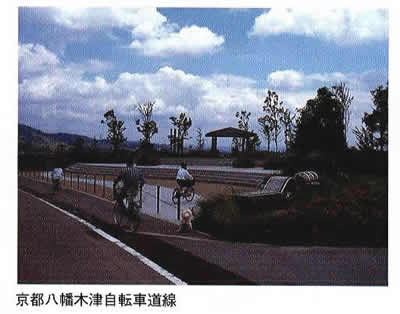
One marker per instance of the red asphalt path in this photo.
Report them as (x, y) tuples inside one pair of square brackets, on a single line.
[(53, 248), (52, 245)]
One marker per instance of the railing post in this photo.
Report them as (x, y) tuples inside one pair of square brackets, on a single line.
[(78, 181), (94, 185), (86, 183), (140, 195), (47, 175), (64, 178), (178, 207), (158, 199), (70, 178), (104, 185)]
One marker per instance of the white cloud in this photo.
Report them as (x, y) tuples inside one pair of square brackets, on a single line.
[(35, 58), (191, 40), (343, 26), (152, 34), (65, 85), (286, 79), (292, 80), (95, 18), (64, 97)]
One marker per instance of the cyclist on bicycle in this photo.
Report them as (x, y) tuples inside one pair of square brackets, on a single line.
[(128, 184), (56, 175), (184, 178)]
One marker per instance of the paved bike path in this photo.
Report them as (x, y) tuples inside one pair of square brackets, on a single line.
[(54, 248), (198, 259)]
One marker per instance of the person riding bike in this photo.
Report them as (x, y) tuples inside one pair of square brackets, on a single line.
[(56, 176), (126, 186), (184, 178)]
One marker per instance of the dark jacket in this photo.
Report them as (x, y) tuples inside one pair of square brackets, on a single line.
[(132, 179)]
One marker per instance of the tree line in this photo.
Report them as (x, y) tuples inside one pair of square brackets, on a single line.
[(322, 124)]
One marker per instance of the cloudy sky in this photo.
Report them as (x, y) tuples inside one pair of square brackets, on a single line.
[(75, 64)]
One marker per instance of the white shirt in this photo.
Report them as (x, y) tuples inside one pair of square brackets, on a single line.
[(57, 173), (183, 174)]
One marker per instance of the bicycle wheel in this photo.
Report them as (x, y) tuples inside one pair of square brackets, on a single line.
[(135, 221), (175, 196), (189, 194), (119, 216), (260, 186)]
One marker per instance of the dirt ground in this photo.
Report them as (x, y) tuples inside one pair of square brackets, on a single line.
[(204, 189)]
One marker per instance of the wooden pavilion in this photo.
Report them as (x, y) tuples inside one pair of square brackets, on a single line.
[(229, 132)]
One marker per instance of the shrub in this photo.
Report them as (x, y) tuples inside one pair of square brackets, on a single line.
[(147, 156), (374, 162), (243, 161), (337, 215)]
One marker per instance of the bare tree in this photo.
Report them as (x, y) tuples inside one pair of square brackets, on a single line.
[(289, 127), (266, 130), (116, 129), (274, 110), (183, 124), (199, 139), (146, 125)]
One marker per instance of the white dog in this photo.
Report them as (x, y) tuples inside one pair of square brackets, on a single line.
[(186, 220)]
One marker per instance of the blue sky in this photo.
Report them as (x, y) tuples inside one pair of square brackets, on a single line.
[(74, 64)]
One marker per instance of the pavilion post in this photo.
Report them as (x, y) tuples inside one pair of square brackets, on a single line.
[(214, 143), (180, 143), (175, 141), (170, 140)]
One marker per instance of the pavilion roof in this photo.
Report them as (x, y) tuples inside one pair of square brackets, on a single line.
[(230, 132)]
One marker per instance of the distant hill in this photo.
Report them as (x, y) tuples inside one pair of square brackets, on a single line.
[(37, 138)]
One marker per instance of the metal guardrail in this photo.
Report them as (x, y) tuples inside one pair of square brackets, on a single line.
[(81, 182)]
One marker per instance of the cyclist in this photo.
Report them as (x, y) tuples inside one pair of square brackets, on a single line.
[(56, 175), (184, 178), (131, 179)]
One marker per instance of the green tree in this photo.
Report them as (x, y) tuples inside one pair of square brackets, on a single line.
[(248, 143), (183, 123), (116, 129), (365, 139), (146, 125), (287, 120), (342, 94), (319, 125), (60, 148), (235, 145), (375, 133), (199, 139), (273, 111), (253, 143), (77, 146), (93, 145), (243, 124), (266, 130), (244, 118)]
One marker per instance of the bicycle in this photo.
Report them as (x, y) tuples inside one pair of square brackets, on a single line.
[(126, 213), (261, 184), (56, 185), (188, 195)]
